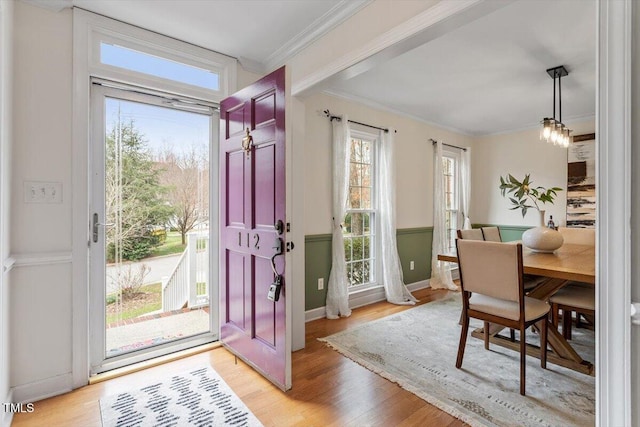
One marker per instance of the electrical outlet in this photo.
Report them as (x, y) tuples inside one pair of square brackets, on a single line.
[(411, 265), (42, 192), (321, 283)]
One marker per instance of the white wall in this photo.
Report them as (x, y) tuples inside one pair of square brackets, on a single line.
[(518, 153), (41, 348), (414, 161), (6, 84)]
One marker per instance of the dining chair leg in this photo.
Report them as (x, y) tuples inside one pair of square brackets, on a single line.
[(486, 335), (566, 323), (523, 361), (554, 314), (512, 334), (543, 343), (463, 339)]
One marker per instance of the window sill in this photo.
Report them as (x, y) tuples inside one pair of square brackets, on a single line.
[(365, 288)]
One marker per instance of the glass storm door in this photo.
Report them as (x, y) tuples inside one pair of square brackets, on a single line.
[(153, 226)]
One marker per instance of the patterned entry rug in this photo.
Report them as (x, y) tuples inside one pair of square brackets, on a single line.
[(417, 349), (196, 398)]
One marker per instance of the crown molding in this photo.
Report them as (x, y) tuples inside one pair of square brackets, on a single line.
[(252, 65), (382, 107), (339, 13), (52, 5)]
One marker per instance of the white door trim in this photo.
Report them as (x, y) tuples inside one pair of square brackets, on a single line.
[(613, 129), (87, 27)]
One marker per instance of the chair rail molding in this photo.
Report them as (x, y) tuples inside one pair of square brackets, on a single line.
[(39, 258), (7, 264)]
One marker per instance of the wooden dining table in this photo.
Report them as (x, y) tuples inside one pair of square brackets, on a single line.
[(569, 263)]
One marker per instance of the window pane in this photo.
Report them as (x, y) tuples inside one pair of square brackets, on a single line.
[(366, 152), (141, 62), (365, 198), (355, 175), (347, 224), (354, 198), (357, 273), (366, 223), (350, 274), (355, 151), (366, 175), (367, 247), (357, 248), (347, 249), (366, 272)]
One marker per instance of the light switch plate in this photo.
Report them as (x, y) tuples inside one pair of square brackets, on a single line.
[(42, 192)]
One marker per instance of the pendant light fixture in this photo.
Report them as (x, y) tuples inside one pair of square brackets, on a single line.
[(553, 130)]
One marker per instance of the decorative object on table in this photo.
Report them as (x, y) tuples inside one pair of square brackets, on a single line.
[(197, 397), (553, 130), (416, 349), (524, 196), (581, 182)]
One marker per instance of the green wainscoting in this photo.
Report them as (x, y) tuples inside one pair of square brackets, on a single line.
[(317, 264), (414, 244), (508, 233)]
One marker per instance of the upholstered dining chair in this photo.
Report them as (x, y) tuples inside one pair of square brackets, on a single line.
[(470, 234), (493, 291), (491, 234), (574, 297)]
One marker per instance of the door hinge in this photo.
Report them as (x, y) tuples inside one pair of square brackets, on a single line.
[(635, 313)]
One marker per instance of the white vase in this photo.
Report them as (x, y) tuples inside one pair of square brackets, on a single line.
[(542, 238)]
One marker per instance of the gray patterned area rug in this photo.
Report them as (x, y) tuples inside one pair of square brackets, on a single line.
[(417, 349), (196, 398)]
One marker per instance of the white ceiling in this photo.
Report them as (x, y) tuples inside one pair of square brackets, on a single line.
[(483, 78), (490, 76)]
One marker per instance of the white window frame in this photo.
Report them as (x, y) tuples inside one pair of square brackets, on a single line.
[(454, 154), (375, 250), (98, 29), (89, 30)]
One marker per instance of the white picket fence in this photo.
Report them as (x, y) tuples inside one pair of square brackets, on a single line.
[(188, 284)]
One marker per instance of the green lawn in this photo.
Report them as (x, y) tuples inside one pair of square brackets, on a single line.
[(137, 307), (172, 245)]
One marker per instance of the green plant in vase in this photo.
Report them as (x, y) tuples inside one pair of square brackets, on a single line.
[(524, 196), (522, 193)]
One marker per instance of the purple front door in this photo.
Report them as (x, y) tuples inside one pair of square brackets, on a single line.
[(252, 226)]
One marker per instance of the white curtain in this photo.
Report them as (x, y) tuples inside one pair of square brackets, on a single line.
[(440, 274), (465, 187), (337, 303), (394, 287)]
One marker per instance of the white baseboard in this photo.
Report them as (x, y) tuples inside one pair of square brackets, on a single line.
[(7, 416), (361, 299), (43, 389)]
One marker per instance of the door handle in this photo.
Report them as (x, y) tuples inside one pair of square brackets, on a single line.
[(97, 224)]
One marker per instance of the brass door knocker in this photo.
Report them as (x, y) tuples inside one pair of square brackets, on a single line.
[(247, 143)]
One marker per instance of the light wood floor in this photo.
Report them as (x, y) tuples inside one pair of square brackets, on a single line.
[(328, 389)]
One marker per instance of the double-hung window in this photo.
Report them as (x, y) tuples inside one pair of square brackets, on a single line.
[(360, 222), (451, 177)]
